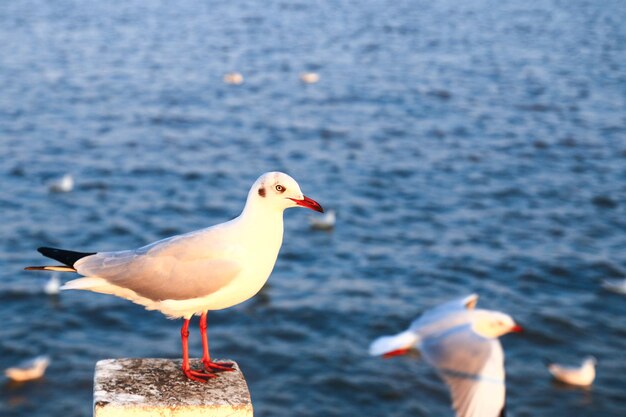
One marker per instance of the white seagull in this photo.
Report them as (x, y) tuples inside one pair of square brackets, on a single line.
[(65, 184), (309, 77), (461, 342), (581, 376), (326, 222), (190, 274), (615, 285), (233, 78), (29, 370), (53, 286)]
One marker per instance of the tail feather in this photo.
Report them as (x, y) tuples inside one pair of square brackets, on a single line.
[(66, 257), (87, 283), (396, 343)]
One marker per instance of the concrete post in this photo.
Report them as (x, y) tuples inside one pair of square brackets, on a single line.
[(157, 387)]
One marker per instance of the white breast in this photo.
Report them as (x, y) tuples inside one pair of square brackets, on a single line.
[(259, 247)]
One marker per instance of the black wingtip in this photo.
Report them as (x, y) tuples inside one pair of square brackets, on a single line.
[(66, 257)]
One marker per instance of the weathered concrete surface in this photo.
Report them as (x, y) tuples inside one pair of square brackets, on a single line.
[(157, 387)]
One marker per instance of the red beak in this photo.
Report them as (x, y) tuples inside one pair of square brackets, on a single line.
[(397, 352), (517, 329), (308, 203)]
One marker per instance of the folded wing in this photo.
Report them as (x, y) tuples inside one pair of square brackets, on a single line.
[(177, 268)]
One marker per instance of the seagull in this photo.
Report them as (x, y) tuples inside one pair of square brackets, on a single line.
[(65, 184), (326, 222), (581, 376), (53, 286), (615, 285), (461, 342), (186, 275), (233, 78), (309, 77), (29, 370)]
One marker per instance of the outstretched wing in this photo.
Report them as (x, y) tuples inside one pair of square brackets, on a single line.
[(177, 268), (430, 322), (473, 368)]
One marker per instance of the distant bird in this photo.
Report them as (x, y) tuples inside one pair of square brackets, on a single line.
[(53, 286), (233, 78), (29, 370), (65, 184), (326, 222), (309, 77), (190, 274), (581, 376), (462, 344), (615, 285)]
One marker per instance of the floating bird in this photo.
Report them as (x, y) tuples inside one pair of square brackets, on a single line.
[(461, 342), (190, 274), (233, 78), (309, 77), (65, 184), (53, 286), (326, 222), (29, 370), (615, 285), (581, 376)]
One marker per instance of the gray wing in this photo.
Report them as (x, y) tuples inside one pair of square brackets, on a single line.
[(177, 268), (473, 368), (453, 311)]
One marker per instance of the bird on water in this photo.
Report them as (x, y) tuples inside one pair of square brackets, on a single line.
[(193, 273)]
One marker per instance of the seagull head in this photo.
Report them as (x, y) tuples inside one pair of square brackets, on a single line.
[(590, 361), (279, 191), (492, 324)]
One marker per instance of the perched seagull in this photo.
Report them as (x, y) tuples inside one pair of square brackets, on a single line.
[(29, 370), (65, 184), (581, 376), (326, 222), (461, 342), (190, 274), (615, 285), (53, 286), (233, 78), (309, 77)]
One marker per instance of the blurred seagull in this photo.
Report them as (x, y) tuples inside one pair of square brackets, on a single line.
[(461, 342), (581, 376), (233, 78), (190, 274), (29, 370), (53, 286), (325, 222), (615, 285), (65, 184), (309, 77)]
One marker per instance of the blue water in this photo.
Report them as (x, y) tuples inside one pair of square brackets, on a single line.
[(466, 146)]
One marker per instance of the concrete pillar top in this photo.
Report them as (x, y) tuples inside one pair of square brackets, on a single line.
[(157, 387)]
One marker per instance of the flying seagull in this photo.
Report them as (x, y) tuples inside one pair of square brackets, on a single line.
[(461, 342), (190, 274)]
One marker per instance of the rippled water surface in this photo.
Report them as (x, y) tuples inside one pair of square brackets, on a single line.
[(466, 146)]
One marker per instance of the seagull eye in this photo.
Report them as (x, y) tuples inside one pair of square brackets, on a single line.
[(280, 188)]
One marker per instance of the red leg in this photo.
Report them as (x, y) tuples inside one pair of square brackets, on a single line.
[(189, 373), (209, 365)]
